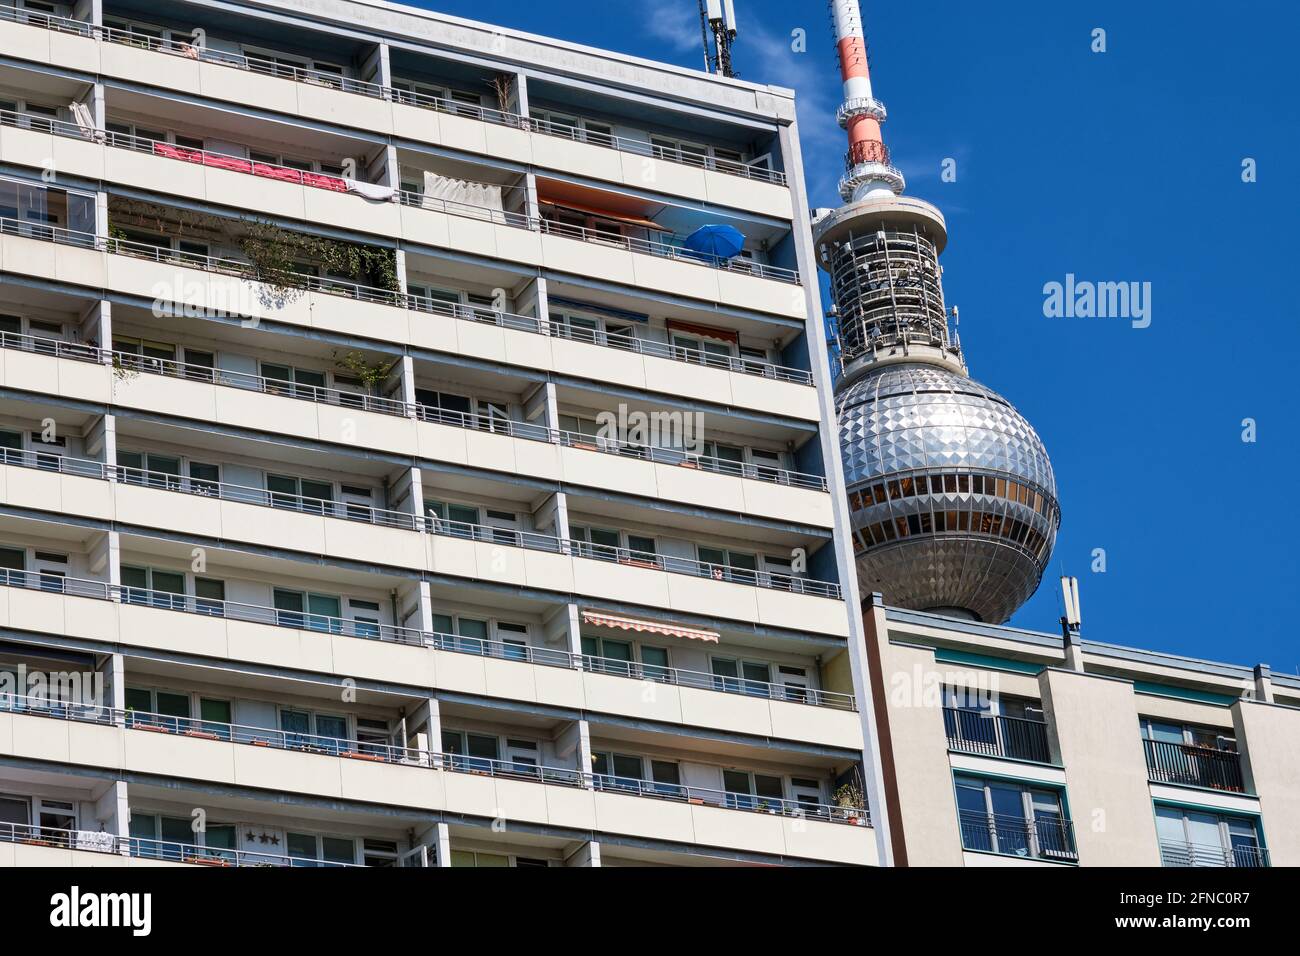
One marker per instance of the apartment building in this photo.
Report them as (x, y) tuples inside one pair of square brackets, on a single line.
[(392, 474), (1007, 747)]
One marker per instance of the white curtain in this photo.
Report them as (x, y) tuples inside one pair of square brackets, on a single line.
[(461, 191)]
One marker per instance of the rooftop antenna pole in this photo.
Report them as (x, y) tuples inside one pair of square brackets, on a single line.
[(718, 25)]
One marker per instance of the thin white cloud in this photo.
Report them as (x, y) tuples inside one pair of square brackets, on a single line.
[(677, 25)]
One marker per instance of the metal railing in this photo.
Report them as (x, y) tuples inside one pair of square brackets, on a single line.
[(1174, 853), (226, 161), (1042, 838), (977, 732), (471, 313), (402, 520), (678, 353), (623, 144), (668, 250), (130, 362), (455, 643), (515, 769), (452, 207), (731, 800), (1195, 766), (149, 849), (43, 124), (727, 685), (673, 456), (702, 569), (300, 74)]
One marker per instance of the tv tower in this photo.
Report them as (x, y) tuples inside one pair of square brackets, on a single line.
[(951, 494)]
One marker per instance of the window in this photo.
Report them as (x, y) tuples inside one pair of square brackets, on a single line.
[(470, 752), (1197, 838), (315, 612), (157, 709), (617, 771), (465, 634), (300, 494), (753, 791), (723, 564), (153, 586), (1013, 819), (150, 469), (297, 382), (459, 521), (609, 656), (735, 676), (513, 639)]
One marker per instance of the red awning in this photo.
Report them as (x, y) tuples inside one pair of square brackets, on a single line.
[(604, 619), (628, 218), (705, 331)]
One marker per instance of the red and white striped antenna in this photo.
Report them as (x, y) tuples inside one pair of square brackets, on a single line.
[(867, 168)]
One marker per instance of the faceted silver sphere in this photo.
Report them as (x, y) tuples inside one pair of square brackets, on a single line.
[(951, 494)]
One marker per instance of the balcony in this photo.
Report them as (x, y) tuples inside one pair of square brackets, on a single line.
[(476, 314), (279, 69), (145, 849), (413, 637), (338, 748), (1177, 854), (1192, 766), (1043, 838), (991, 735), (127, 363), (380, 517)]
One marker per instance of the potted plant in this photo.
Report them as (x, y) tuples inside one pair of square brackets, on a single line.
[(848, 798)]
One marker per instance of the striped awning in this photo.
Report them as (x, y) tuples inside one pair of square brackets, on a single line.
[(604, 619)]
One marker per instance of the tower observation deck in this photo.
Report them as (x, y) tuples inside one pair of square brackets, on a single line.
[(952, 497)]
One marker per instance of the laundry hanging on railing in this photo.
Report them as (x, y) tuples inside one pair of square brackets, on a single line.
[(81, 116), (439, 189), (372, 191)]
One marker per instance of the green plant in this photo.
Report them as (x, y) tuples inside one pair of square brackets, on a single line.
[(372, 376), (849, 797)]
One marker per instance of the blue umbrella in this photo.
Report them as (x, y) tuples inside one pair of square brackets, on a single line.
[(716, 240)]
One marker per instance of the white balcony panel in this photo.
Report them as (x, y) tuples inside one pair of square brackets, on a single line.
[(508, 143), (12, 854), (678, 277), (647, 172), (237, 86), (610, 262), (413, 122), (27, 42), (801, 612), (762, 295), (328, 105), (737, 192), (164, 71), (583, 159)]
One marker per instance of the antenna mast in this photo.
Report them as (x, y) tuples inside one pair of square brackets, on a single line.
[(718, 25)]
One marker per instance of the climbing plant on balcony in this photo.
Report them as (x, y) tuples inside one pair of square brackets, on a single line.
[(276, 256)]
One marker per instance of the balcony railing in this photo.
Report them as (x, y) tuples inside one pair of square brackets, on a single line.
[(1044, 838), (1174, 853), (402, 520), (974, 732), (456, 643), (731, 800), (468, 313), (128, 362), (294, 176), (668, 250), (146, 849), (1193, 766), (642, 148), (702, 569), (514, 769), (727, 685)]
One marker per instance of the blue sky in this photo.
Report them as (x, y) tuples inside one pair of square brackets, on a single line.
[(1116, 166)]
